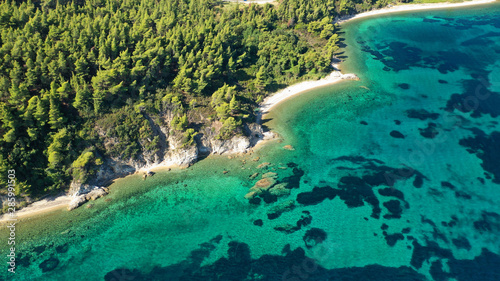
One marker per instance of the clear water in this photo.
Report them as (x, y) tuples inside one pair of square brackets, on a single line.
[(393, 177)]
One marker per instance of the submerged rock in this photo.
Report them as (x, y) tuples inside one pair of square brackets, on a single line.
[(250, 195), (421, 114), (287, 228), (49, 264), (97, 192), (281, 208), (269, 175), (392, 239), (265, 183), (259, 187), (314, 236), (316, 196), (263, 165), (397, 135), (288, 147), (280, 190), (430, 132), (258, 222), (404, 86)]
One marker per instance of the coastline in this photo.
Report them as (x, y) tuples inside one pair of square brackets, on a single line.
[(62, 202), (40, 207), (336, 76), (411, 7), (295, 89)]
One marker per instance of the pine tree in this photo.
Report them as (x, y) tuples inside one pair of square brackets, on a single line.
[(29, 114), (18, 94), (231, 67), (260, 78), (81, 67), (56, 119), (55, 151), (41, 111), (233, 104), (16, 73), (83, 99), (64, 91), (7, 117), (31, 74)]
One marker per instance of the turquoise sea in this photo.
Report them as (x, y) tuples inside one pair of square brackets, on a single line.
[(393, 177)]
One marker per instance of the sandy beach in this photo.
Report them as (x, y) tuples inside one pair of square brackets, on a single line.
[(40, 207), (412, 7), (336, 75), (62, 201), (280, 96)]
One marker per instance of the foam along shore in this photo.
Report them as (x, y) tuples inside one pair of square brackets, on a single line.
[(40, 207), (412, 7), (301, 87)]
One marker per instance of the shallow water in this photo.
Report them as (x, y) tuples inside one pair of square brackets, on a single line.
[(394, 177)]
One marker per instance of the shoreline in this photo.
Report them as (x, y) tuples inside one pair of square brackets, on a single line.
[(40, 207), (301, 87), (411, 7), (62, 202), (337, 76)]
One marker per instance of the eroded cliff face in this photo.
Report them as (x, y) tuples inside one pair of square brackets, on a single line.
[(173, 151)]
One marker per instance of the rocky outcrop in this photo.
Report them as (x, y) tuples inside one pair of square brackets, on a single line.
[(84, 193), (172, 152), (96, 193), (208, 143), (76, 202)]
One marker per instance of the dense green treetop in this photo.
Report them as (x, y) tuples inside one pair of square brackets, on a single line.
[(81, 81)]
